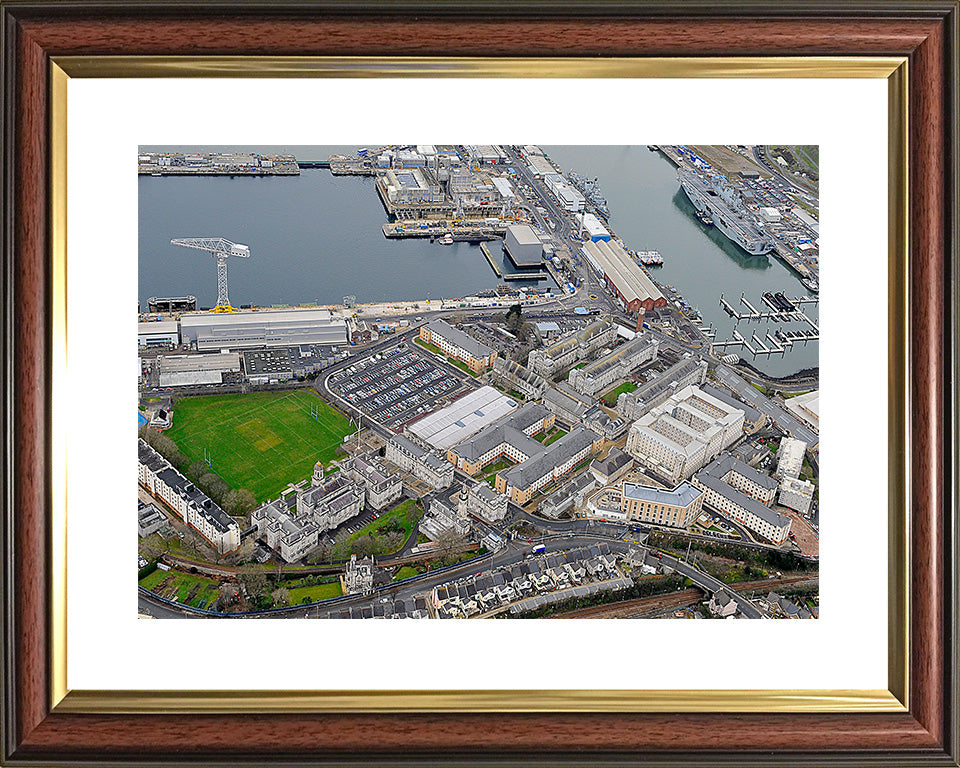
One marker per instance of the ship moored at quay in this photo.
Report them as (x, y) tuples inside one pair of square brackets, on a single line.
[(721, 201)]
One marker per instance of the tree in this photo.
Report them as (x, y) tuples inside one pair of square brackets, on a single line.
[(364, 545), (342, 550), (247, 500), (253, 577), (450, 542), (280, 596), (392, 542), (231, 502), (514, 318), (213, 486)]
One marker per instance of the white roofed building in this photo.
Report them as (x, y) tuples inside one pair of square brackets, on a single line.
[(262, 328), (790, 457), (462, 418), (678, 437)]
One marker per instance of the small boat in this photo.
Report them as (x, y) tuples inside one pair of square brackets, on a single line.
[(447, 239), (704, 218), (812, 284), (650, 258)]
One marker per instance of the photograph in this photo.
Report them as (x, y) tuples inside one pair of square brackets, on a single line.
[(567, 368), (460, 381)]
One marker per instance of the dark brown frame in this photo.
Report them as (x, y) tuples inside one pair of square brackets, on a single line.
[(925, 32)]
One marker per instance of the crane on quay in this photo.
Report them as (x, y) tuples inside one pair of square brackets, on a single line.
[(221, 249)]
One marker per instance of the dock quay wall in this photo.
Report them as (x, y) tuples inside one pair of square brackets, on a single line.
[(183, 170)]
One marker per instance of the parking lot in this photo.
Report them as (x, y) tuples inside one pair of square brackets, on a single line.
[(395, 386)]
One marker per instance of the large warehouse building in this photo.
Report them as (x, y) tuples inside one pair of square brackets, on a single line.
[(462, 418), (262, 328), (166, 332), (193, 370), (523, 246), (623, 275)]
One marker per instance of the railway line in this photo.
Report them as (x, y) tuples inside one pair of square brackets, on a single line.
[(640, 606)]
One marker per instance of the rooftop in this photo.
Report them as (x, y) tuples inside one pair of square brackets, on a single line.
[(749, 412), (612, 260), (462, 418), (725, 463), (533, 469), (524, 234), (639, 345), (457, 337), (615, 460), (265, 316), (711, 477), (681, 496), (158, 326)]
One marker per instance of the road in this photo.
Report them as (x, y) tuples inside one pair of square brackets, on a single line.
[(765, 405), (800, 185), (711, 585)]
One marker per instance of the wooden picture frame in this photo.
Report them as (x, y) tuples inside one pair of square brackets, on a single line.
[(917, 723)]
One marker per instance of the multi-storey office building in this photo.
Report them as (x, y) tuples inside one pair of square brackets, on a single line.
[(612, 468), (571, 494), (332, 502), (523, 481), (447, 514), (727, 484), (514, 376), (193, 506), (424, 465), (381, 487), (796, 494), (676, 508), (288, 534), (459, 345), (790, 457), (485, 502), (619, 364), (567, 404), (683, 373), (571, 349), (511, 437), (678, 437)]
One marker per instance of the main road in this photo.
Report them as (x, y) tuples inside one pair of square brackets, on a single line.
[(773, 411)]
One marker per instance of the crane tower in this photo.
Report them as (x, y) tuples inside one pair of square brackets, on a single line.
[(221, 249)]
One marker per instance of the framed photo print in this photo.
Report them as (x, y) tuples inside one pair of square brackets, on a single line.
[(479, 364)]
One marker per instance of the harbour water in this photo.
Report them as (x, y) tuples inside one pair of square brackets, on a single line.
[(312, 238), (318, 238), (649, 211)]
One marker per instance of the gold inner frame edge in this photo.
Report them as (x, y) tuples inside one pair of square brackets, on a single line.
[(894, 69)]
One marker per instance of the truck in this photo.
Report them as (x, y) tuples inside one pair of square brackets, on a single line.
[(538, 549)]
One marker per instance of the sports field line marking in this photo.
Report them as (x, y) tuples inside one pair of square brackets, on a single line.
[(231, 421), (295, 440)]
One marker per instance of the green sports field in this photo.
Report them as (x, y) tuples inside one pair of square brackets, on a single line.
[(259, 441)]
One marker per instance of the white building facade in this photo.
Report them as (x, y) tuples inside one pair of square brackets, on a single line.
[(678, 437)]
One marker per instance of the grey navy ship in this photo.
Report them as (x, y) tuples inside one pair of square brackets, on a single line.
[(716, 198)]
